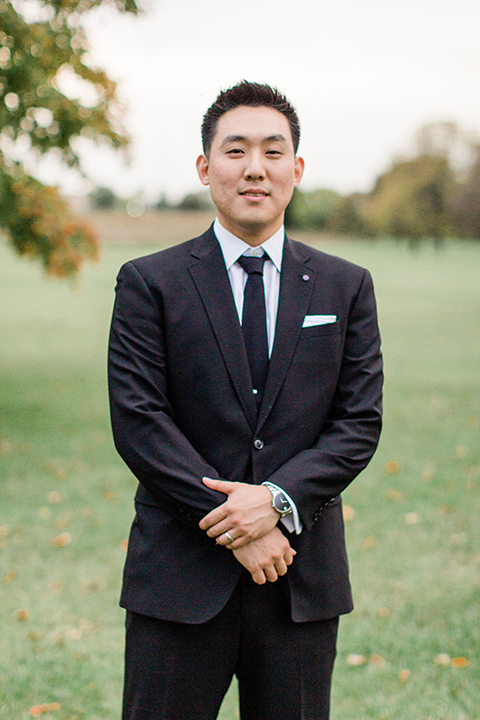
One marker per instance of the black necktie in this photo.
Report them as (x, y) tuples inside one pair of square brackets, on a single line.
[(254, 322)]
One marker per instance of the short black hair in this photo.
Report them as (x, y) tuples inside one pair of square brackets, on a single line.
[(248, 94)]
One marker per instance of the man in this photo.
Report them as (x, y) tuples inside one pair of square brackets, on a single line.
[(237, 359)]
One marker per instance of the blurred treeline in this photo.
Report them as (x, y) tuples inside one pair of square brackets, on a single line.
[(434, 193)]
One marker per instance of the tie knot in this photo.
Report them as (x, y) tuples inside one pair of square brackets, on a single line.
[(252, 265)]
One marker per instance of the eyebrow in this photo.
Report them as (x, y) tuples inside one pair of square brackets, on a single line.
[(242, 138)]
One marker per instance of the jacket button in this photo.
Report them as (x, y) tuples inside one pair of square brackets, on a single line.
[(257, 444)]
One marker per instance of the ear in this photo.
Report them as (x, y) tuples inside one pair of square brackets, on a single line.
[(299, 168), (202, 169)]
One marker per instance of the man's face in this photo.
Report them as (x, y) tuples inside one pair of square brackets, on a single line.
[(251, 170)]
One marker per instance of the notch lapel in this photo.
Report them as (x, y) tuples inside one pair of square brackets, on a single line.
[(211, 279), (293, 303)]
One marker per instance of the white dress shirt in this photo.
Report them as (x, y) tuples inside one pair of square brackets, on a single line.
[(232, 248)]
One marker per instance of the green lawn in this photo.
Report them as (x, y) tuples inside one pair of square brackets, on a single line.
[(66, 498)]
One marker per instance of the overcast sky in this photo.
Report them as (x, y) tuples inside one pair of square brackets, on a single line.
[(364, 75)]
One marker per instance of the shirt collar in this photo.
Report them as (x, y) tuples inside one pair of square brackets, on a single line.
[(233, 247)]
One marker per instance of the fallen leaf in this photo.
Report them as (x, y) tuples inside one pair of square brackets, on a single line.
[(124, 545), (369, 542), (21, 614), (6, 446), (459, 538), (354, 659), (65, 520), (73, 634), (412, 518), (395, 495), (44, 512), (87, 512), (58, 638), (89, 626), (61, 540), (108, 495), (55, 497), (429, 472), (462, 451), (403, 676), (383, 612), (445, 509), (37, 710), (10, 576), (4, 530), (56, 586), (377, 661), (442, 659), (93, 585), (348, 512), (460, 662), (392, 467), (79, 656), (35, 636)]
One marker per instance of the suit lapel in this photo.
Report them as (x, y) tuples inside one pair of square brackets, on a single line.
[(211, 279), (296, 285)]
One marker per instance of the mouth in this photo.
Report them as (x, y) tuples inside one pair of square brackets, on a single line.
[(254, 193)]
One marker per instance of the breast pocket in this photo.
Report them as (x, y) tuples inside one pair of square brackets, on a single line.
[(320, 330)]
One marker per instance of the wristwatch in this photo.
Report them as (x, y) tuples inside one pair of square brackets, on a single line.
[(280, 502)]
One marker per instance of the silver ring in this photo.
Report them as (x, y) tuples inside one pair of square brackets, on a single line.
[(228, 536)]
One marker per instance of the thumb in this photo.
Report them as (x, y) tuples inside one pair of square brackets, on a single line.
[(223, 486)]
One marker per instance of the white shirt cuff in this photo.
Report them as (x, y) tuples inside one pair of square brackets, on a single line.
[(291, 522)]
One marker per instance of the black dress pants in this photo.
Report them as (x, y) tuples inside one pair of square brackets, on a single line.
[(175, 671)]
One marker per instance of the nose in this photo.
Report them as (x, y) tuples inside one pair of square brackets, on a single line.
[(254, 167)]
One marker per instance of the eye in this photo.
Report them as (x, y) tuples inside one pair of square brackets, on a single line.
[(235, 151), (273, 152)]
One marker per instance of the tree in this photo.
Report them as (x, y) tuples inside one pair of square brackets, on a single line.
[(433, 194), (103, 198), (310, 210), (37, 118), (465, 204), (412, 199), (195, 202), (346, 217)]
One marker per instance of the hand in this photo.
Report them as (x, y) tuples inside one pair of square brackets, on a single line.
[(246, 515), (266, 558)]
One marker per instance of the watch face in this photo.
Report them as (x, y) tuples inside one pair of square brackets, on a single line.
[(281, 503)]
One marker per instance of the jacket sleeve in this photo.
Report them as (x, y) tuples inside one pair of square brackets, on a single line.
[(144, 431), (315, 477)]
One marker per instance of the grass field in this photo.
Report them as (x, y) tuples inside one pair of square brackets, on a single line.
[(411, 648)]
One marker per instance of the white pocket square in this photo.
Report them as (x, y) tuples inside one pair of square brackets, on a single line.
[(311, 320)]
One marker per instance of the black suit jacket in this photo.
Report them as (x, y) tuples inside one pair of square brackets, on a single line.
[(182, 407)]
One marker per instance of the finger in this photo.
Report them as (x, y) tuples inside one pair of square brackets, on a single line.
[(281, 567), (239, 542), (270, 573), (220, 528), (224, 540), (289, 557), (213, 517), (258, 576), (224, 486)]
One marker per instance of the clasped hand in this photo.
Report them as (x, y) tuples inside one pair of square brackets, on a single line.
[(248, 516)]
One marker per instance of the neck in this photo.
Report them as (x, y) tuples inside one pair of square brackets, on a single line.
[(253, 235)]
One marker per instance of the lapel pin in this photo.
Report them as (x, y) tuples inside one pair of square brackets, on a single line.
[(305, 277)]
